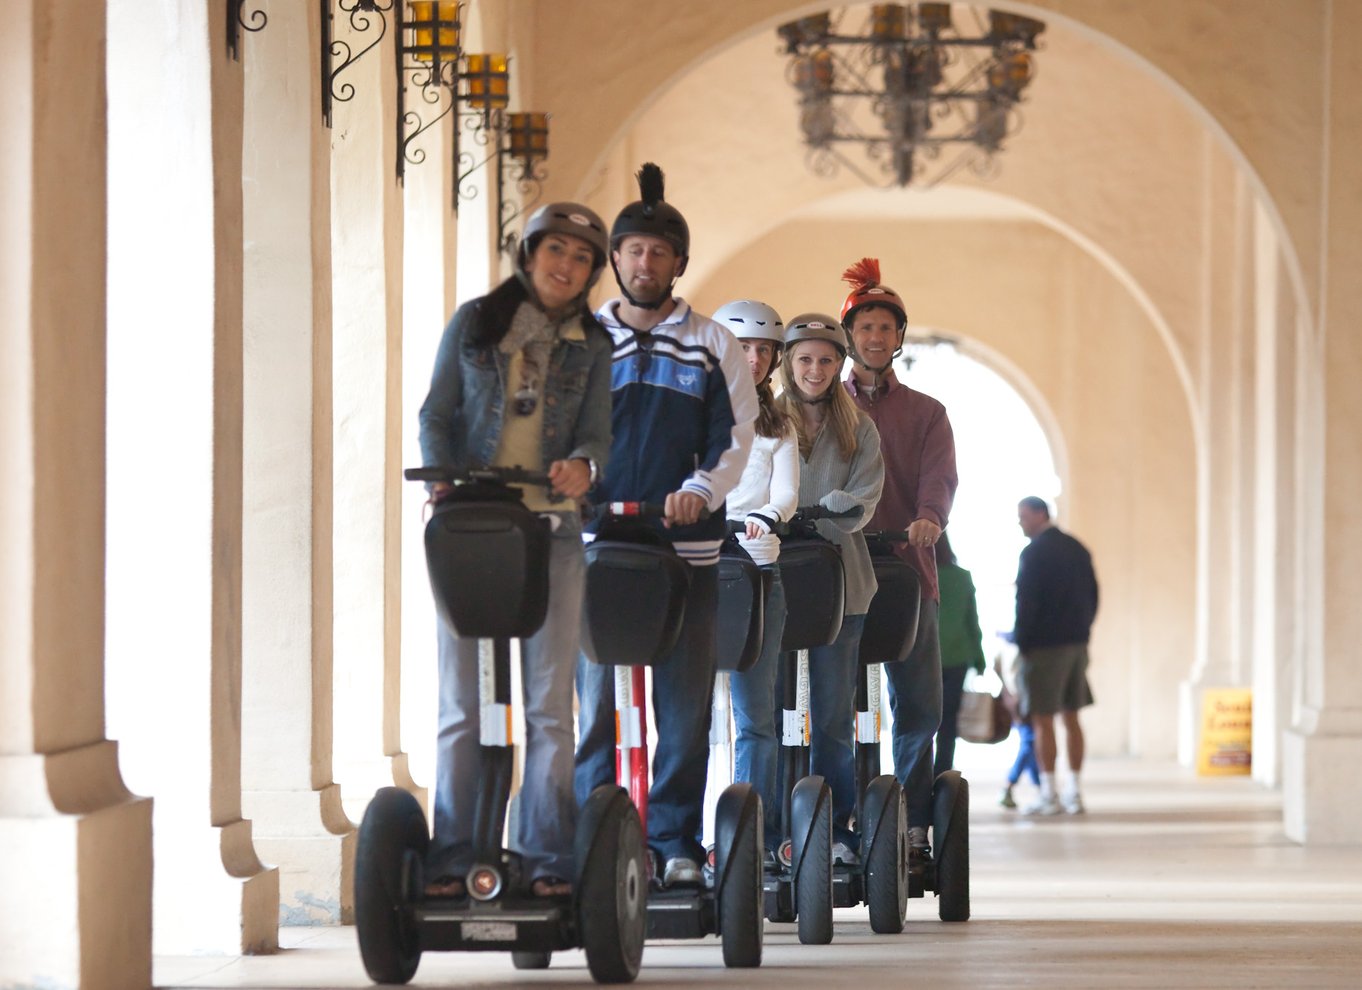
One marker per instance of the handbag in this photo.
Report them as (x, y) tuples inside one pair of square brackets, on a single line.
[(983, 718)]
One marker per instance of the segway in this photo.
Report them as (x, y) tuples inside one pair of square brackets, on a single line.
[(636, 588), (890, 633), (879, 877), (743, 590), (487, 556)]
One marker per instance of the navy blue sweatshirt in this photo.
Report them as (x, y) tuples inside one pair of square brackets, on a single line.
[(1056, 592)]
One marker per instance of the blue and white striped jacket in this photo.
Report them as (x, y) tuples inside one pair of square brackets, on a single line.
[(683, 410)]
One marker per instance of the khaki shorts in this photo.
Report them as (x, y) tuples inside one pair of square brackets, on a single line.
[(1053, 679)]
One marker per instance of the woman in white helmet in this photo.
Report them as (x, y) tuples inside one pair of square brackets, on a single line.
[(766, 496), (840, 468)]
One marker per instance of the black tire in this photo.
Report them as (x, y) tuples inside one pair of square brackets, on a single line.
[(886, 864), (950, 839), (612, 886), (392, 844), (531, 960), (811, 811), (738, 846)]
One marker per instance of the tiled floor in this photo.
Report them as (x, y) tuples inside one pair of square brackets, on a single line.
[(1168, 881)]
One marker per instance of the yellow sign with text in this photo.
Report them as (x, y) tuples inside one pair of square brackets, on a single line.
[(1226, 733)]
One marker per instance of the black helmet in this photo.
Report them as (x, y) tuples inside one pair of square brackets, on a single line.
[(565, 218), (653, 216)]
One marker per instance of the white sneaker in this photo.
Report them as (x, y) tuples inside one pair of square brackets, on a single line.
[(1042, 806), (1073, 804), (682, 872)]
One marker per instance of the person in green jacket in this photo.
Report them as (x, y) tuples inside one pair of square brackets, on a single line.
[(961, 646)]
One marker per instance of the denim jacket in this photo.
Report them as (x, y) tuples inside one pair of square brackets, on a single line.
[(462, 415)]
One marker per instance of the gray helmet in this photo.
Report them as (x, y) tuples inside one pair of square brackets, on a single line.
[(572, 219), (652, 215), (815, 326), (752, 320)]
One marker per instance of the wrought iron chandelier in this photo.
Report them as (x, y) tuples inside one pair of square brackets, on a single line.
[(908, 86)]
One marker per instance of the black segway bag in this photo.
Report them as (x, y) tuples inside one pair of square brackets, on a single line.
[(815, 592), (488, 559), (891, 622), (743, 587), (635, 598)]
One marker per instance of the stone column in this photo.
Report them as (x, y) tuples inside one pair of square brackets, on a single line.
[(428, 300), (366, 224), (76, 867), (1224, 393), (174, 433), (1320, 753), (1276, 532), (287, 484)]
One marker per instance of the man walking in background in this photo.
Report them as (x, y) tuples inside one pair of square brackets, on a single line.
[(1056, 603)]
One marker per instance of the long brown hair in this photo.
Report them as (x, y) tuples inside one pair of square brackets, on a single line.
[(842, 414), (772, 420)]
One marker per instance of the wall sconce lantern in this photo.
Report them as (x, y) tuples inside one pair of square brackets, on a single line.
[(474, 87), (526, 145)]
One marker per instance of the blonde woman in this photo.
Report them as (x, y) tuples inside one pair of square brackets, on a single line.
[(839, 468)]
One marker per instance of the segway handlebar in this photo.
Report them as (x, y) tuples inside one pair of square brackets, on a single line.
[(635, 510), (495, 475), (887, 535), (801, 523), (808, 512)]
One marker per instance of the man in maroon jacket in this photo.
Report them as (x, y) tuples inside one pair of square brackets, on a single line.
[(919, 485)]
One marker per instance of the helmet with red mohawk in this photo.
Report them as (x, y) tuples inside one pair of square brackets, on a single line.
[(866, 290)]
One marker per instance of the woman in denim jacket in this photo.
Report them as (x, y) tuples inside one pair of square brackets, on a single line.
[(522, 378)]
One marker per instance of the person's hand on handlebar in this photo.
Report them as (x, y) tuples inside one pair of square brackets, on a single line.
[(571, 479), (683, 509), (923, 533)]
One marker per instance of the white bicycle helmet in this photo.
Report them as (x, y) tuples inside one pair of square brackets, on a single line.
[(752, 320)]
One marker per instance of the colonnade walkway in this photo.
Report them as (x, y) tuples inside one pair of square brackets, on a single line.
[(1169, 881)]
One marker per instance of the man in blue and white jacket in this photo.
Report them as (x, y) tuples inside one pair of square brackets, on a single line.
[(683, 414)]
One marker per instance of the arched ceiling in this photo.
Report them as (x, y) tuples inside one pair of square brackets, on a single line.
[(1135, 120)]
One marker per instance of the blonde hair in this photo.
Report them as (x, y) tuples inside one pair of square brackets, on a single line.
[(842, 414)]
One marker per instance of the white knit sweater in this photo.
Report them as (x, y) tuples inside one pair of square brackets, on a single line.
[(769, 487)]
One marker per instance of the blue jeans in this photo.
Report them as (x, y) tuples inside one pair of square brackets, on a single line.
[(753, 693), (952, 686), (683, 690), (915, 702), (1026, 755), (832, 711), (544, 832)]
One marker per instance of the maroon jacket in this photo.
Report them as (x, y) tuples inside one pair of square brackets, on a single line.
[(918, 447)]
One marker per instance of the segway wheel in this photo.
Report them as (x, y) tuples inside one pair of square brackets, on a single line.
[(531, 960), (612, 886), (738, 845), (392, 845), (950, 825), (811, 814), (886, 864)]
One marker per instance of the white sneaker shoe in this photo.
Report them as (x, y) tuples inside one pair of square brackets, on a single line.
[(1042, 806), (682, 872), (1073, 804)]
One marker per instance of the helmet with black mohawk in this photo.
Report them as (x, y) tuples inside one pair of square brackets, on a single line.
[(651, 216), (866, 292)]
